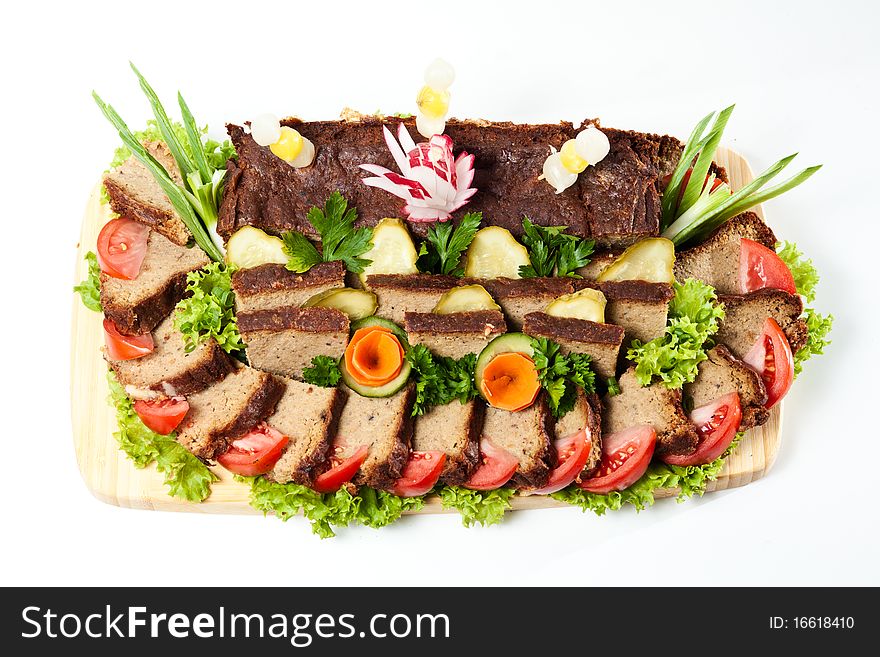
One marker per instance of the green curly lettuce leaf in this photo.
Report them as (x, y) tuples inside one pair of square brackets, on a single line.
[(806, 278), (819, 328), (186, 476), (486, 507), (208, 309), (90, 289)]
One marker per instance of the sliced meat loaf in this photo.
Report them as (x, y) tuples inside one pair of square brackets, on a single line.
[(520, 296), (227, 410), (453, 429), (454, 334), (528, 435), (398, 294), (745, 316), (722, 374), (640, 307), (272, 286), (308, 416), (138, 306), (600, 341), (716, 261), (134, 193), (284, 341), (385, 425), (655, 405), (169, 369), (586, 414)]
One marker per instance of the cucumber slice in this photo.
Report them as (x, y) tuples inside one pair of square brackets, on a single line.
[(586, 304), (357, 304), (503, 344), (647, 260), (392, 386), (463, 299), (381, 321), (393, 251), (494, 253), (251, 247)]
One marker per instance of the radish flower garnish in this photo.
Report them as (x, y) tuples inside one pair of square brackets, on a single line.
[(432, 181)]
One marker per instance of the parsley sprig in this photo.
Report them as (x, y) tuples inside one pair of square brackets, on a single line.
[(440, 379), (562, 374), (444, 245), (552, 251), (340, 240), (324, 372)]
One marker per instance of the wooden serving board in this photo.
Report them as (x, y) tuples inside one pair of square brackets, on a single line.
[(113, 479)]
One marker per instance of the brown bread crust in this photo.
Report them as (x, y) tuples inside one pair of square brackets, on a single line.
[(316, 320), (274, 277), (478, 321), (645, 291), (569, 328)]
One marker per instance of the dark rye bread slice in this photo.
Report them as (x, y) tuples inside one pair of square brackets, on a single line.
[(134, 193), (397, 294), (640, 307), (454, 334), (528, 435), (616, 201), (385, 425), (586, 414), (228, 410), (272, 286), (137, 307), (453, 429), (284, 341), (655, 405), (520, 296), (170, 370), (308, 416), (722, 374), (580, 336), (745, 316), (716, 261)]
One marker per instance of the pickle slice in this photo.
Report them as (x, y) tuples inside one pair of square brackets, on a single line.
[(586, 304), (647, 260), (357, 304), (464, 299), (494, 253), (251, 247), (393, 251)]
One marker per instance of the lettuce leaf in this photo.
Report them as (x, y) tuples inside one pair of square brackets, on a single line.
[(691, 480), (818, 327), (90, 289), (806, 278), (208, 309), (477, 506), (186, 476), (673, 358)]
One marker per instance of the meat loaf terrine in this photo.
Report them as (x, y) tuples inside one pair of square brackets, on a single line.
[(272, 286), (600, 341), (528, 435), (455, 334), (453, 429)]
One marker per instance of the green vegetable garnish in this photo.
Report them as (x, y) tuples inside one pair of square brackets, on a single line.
[(90, 289), (561, 375), (806, 278), (324, 372), (818, 327), (613, 386), (439, 379), (340, 240), (486, 507), (207, 311), (552, 251), (694, 314), (441, 251)]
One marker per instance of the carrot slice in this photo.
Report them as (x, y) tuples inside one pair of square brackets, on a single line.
[(374, 356), (510, 381)]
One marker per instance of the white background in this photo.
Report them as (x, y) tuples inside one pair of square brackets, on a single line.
[(804, 76)]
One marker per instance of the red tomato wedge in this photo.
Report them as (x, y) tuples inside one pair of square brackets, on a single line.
[(420, 474), (122, 246), (125, 347), (572, 453), (162, 415), (771, 357), (717, 424), (498, 466), (341, 471), (760, 267), (254, 453), (625, 457)]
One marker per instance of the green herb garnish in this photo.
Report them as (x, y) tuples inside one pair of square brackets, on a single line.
[(561, 375), (440, 379), (486, 507), (207, 311), (806, 278), (818, 330), (90, 289), (324, 372), (613, 386), (445, 243), (552, 251)]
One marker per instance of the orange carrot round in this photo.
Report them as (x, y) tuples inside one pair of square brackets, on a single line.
[(510, 381), (374, 356)]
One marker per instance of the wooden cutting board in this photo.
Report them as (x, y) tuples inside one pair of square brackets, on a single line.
[(113, 479)]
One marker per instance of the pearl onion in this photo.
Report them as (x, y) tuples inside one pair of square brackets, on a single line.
[(592, 144), (428, 127), (439, 75), (266, 129), (557, 175), (306, 155)]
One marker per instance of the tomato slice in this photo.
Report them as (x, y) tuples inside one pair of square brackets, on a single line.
[(254, 453), (496, 469), (771, 357), (625, 457), (717, 424), (162, 415), (420, 473), (572, 453), (122, 247), (760, 267), (125, 347), (341, 471)]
